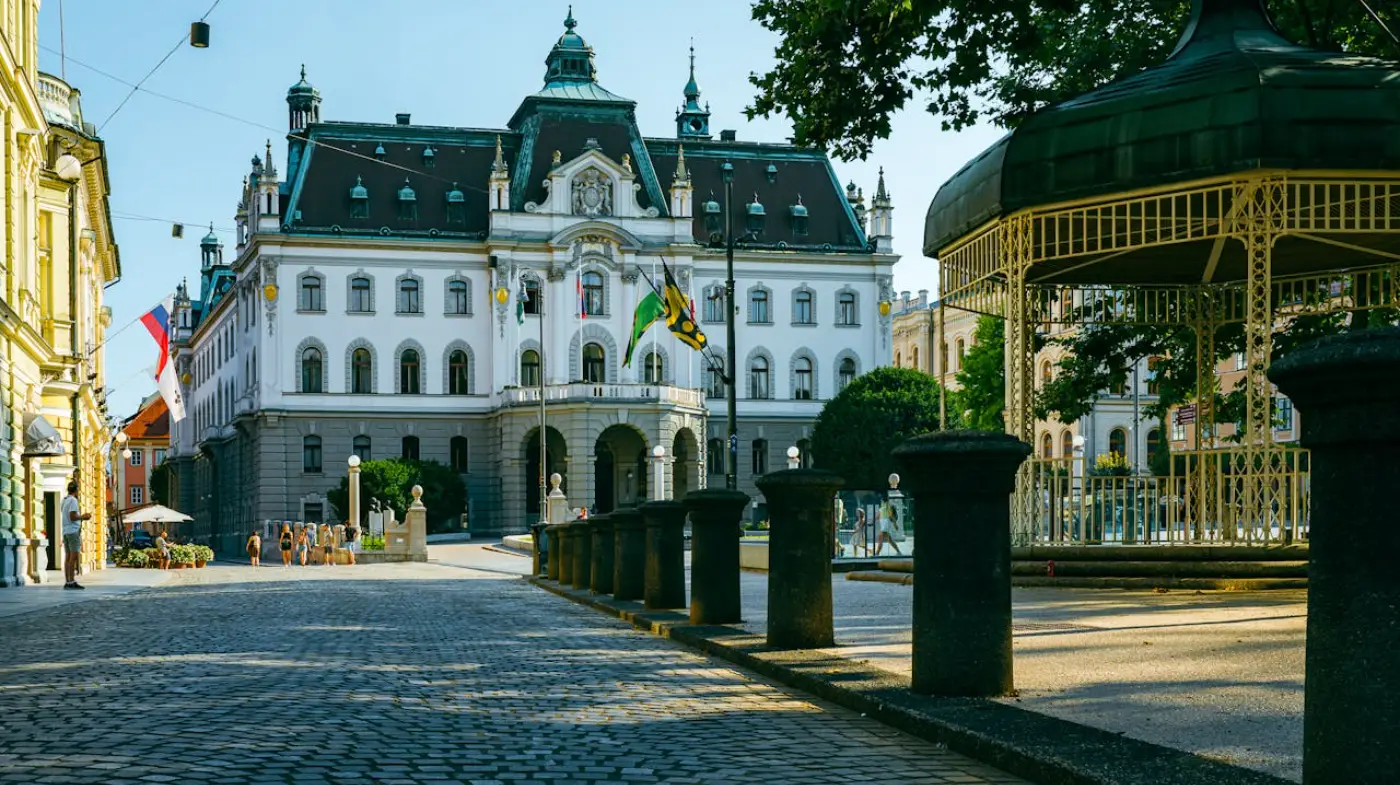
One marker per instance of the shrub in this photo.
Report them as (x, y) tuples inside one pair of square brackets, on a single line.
[(182, 554), (131, 557), (372, 543), (202, 553)]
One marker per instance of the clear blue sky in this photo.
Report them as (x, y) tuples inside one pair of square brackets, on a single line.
[(449, 62)]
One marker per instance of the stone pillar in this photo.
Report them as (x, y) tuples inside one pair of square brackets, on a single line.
[(714, 554), (566, 554), (1347, 390), (416, 520), (601, 573), (353, 484), (554, 534), (539, 550), (557, 504), (665, 555), (630, 554), (962, 482), (583, 553), (799, 557)]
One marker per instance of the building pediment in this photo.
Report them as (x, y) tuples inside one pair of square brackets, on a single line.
[(592, 185)]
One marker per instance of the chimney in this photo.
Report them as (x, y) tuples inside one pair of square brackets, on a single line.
[(402, 118), (923, 297), (728, 136)]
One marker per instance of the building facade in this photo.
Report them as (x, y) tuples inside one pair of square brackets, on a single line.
[(414, 291), (60, 256), (148, 438)]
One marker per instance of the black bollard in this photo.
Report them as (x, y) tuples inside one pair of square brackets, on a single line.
[(601, 574), (554, 537), (799, 557), (665, 560), (714, 554), (583, 553), (566, 554), (962, 482), (629, 554), (1347, 390)]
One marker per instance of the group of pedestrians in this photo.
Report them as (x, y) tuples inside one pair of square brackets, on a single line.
[(885, 531), (297, 545)]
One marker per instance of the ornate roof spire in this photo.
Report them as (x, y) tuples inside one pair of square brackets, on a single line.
[(569, 22), (571, 59), (882, 197), (692, 121), (499, 165), (692, 90), (681, 174)]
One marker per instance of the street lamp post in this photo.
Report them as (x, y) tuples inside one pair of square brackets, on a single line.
[(658, 454), (354, 483), (731, 470), (794, 457)]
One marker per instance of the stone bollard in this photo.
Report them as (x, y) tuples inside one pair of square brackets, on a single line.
[(583, 553), (554, 536), (1347, 390), (601, 571), (714, 554), (665, 555), (539, 550), (566, 554), (961, 482), (629, 554), (799, 557)]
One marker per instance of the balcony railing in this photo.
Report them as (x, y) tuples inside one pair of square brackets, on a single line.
[(59, 102), (605, 393)]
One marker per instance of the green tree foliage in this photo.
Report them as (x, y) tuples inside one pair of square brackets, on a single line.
[(981, 399), (391, 482), (160, 483), (857, 430), (843, 68)]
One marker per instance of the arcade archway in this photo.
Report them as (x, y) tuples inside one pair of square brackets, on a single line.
[(556, 460), (620, 468)]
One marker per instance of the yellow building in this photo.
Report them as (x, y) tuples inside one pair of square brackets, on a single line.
[(58, 257)]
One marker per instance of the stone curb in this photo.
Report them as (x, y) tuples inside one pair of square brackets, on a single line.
[(1034, 746)]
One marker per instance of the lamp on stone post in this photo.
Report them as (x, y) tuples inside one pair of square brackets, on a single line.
[(658, 456), (794, 456), (354, 482), (119, 470)]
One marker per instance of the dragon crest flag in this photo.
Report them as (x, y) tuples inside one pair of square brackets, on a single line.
[(680, 319)]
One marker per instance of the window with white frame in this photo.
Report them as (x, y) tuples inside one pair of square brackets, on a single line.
[(136, 457), (138, 494)]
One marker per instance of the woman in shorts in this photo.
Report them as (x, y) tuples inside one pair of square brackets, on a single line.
[(329, 544), (254, 549), (303, 545), (285, 541)]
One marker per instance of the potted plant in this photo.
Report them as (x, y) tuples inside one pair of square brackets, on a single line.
[(130, 557), (203, 554), (153, 558), (181, 556)]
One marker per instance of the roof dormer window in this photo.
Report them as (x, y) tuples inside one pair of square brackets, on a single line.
[(714, 217), (756, 217), (380, 152), (456, 207), (429, 158), (408, 202), (799, 218), (359, 199)]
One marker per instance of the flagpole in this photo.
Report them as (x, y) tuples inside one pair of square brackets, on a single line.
[(544, 455)]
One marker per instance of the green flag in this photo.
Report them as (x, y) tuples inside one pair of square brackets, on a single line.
[(648, 311)]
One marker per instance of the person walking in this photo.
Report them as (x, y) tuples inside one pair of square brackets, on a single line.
[(303, 544), (284, 541), (352, 539), (860, 538), (163, 550), (886, 521), (72, 517), (327, 540), (254, 548)]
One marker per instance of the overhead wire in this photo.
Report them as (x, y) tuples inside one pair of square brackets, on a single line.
[(183, 37)]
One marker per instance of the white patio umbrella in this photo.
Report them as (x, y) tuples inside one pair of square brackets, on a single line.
[(155, 513)]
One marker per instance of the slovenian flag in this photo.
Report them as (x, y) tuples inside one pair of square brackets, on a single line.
[(578, 284), (157, 323)]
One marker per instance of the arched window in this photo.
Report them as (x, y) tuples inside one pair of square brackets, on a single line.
[(593, 363), (760, 456), (1046, 374), (714, 456), (960, 349), (651, 368), (457, 453), (802, 383), (1047, 445), (361, 295), (410, 448), (592, 294), (802, 308), (715, 387), (410, 299), (529, 368), (1066, 444), (311, 296), (534, 301), (457, 379), (458, 298), (312, 367), (846, 313), (898, 359), (311, 454), (361, 372), (759, 377), (1118, 441), (914, 358), (847, 372), (408, 372), (714, 304), (360, 446), (758, 307)]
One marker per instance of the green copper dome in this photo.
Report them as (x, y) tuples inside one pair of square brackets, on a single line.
[(210, 239), (1235, 96), (455, 196), (359, 191), (571, 59), (406, 193)]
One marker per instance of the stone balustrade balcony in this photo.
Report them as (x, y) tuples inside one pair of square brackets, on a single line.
[(592, 392)]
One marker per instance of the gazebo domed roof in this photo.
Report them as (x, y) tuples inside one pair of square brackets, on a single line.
[(1234, 96)]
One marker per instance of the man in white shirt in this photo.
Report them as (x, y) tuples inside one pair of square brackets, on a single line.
[(72, 520)]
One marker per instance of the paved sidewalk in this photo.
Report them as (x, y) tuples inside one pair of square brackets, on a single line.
[(407, 673), (102, 584), (1218, 674)]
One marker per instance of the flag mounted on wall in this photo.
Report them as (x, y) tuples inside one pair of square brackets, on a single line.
[(680, 319), (157, 322)]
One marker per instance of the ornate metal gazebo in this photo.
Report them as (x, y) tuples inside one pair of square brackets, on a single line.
[(1244, 180)]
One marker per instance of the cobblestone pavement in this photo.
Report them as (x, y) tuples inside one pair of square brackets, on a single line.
[(405, 674)]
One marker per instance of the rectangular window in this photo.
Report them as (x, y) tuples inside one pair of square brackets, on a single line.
[(846, 310), (311, 455), (136, 457), (160, 456), (1178, 432), (138, 494), (311, 295), (312, 512), (760, 456), (1283, 414), (714, 304), (802, 308), (758, 307)]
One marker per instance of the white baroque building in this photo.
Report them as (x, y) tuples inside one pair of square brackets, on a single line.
[(370, 307)]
